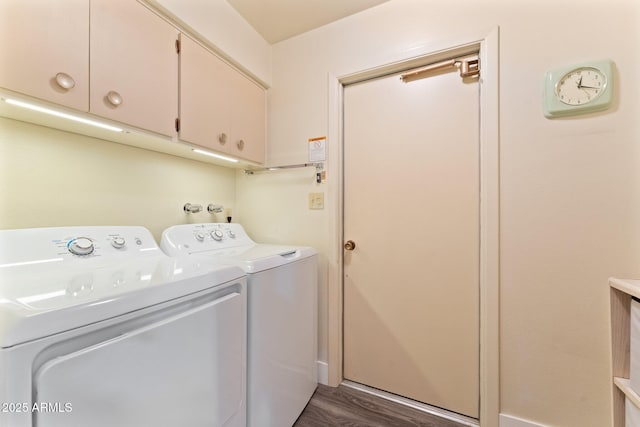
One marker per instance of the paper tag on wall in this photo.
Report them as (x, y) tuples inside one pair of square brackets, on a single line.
[(318, 149)]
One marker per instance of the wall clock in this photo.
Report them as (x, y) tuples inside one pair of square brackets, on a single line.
[(578, 89)]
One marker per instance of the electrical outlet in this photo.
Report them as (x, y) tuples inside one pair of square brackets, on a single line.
[(316, 200)]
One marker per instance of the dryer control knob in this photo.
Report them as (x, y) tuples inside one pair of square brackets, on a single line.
[(200, 236), (232, 234), (217, 235), (118, 242), (80, 246)]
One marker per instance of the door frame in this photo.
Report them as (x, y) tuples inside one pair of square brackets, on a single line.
[(487, 44)]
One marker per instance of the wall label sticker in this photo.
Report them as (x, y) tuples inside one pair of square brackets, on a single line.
[(318, 149)]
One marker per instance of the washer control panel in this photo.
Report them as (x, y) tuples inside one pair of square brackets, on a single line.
[(202, 237), (74, 243), (106, 242)]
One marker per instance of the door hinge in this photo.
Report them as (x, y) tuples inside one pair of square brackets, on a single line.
[(177, 125), (177, 46)]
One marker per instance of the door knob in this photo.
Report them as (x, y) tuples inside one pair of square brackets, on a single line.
[(350, 245)]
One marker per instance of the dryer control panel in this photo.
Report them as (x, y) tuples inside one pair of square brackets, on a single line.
[(192, 238)]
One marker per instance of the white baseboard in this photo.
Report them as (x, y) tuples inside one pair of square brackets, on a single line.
[(323, 372), (511, 421)]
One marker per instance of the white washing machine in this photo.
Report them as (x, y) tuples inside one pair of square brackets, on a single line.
[(100, 328), (282, 308)]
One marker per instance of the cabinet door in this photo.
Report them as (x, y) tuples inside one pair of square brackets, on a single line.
[(248, 121), (42, 39), (205, 106), (134, 66)]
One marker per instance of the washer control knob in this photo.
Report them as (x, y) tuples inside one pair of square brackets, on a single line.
[(232, 234), (118, 242), (217, 235), (80, 246), (200, 236)]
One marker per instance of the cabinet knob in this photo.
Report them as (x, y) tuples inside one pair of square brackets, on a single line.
[(114, 98), (222, 138), (349, 245), (65, 81), (240, 144)]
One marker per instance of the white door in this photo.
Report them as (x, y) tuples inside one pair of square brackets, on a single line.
[(411, 206)]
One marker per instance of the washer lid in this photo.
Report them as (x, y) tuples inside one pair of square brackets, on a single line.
[(46, 293)]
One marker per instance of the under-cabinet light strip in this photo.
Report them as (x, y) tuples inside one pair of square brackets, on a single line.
[(60, 114), (217, 156)]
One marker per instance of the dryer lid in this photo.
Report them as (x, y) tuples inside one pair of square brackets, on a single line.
[(258, 257), (229, 243)]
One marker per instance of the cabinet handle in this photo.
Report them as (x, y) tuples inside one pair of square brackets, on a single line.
[(222, 138), (114, 98), (65, 81), (240, 144)]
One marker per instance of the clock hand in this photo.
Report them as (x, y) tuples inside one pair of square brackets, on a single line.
[(588, 87), (580, 83)]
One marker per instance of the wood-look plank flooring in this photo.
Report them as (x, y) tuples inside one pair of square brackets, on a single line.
[(345, 406)]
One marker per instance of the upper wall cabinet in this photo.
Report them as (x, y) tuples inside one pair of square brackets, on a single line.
[(220, 109), (118, 59), (134, 66), (45, 50), (248, 120)]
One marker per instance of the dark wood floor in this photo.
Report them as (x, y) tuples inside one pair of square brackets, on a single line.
[(345, 406)]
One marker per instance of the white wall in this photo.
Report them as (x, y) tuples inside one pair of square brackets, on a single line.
[(570, 211), (273, 208), (227, 31), (52, 178)]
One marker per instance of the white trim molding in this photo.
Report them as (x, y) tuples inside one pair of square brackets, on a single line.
[(323, 372), (511, 421), (487, 46)]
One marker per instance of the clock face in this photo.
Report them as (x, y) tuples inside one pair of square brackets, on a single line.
[(581, 86)]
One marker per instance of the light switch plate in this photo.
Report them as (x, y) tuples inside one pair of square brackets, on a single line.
[(316, 200)]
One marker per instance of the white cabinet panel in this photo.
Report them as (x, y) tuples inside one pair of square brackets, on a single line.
[(248, 124), (205, 113), (133, 55), (220, 109), (42, 39)]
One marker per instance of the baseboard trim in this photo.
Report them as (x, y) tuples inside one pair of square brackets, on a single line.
[(323, 372), (511, 421), (442, 413)]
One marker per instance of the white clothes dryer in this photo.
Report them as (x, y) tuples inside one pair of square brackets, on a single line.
[(282, 310), (99, 328)]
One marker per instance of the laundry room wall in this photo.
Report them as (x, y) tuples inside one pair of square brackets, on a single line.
[(54, 178), (570, 211), (273, 208)]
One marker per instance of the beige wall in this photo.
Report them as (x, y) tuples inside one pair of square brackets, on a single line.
[(53, 178), (570, 211), (273, 207)]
